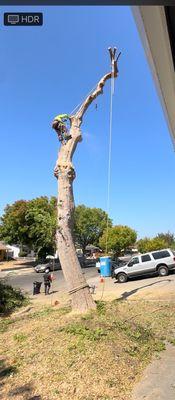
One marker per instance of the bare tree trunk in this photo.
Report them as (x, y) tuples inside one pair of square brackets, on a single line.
[(78, 288), (77, 285)]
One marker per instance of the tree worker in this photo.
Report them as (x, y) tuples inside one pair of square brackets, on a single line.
[(60, 127), (47, 280)]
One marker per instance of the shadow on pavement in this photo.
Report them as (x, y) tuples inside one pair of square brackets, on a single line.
[(125, 295)]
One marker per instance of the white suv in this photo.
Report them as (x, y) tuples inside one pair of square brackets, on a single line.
[(161, 261)]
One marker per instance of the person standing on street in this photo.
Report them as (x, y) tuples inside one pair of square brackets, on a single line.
[(47, 281)]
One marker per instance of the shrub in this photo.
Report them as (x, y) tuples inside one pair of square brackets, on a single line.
[(10, 298)]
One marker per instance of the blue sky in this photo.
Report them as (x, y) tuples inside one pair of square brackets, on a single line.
[(48, 70)]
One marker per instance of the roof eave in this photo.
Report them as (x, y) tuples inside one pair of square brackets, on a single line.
[(152, 26)]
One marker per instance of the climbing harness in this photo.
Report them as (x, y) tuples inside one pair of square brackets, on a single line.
[(63, 134), (61, 129)]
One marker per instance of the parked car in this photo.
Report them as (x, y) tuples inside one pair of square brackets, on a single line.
[(159, 262), (82, 260), (52, 265), (86, 261), (89, 262), (115, 265)]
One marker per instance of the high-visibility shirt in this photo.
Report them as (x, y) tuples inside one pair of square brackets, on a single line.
[(60, 117)]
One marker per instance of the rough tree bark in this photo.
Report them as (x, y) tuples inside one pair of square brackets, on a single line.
[(78, 288)]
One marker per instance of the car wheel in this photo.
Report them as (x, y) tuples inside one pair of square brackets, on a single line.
[(163, 270), (122, 278)]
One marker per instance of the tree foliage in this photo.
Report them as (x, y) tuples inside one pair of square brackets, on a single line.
[(41, 222), (13, 228), (168, 237), (89, 224), (146, 244), (31, 223), (119, 238)]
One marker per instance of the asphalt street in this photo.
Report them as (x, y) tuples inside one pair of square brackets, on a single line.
[(150, 288), (24, 280)]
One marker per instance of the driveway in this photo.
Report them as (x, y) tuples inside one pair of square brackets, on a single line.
[(149, 288)]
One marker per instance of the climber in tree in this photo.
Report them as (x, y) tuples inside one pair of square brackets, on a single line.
[(60, 127)]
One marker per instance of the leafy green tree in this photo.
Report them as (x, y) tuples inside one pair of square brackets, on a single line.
[(41, 221), (119, 238), (168, 237), (89, 224), (31, 223), (146, 244), (13, 228)]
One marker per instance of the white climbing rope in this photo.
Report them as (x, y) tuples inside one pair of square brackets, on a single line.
[(110, 144), (109, 168), (109, 156), (82, 100)]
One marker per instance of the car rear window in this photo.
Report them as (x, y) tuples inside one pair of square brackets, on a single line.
[(161, 254), (145, 258)]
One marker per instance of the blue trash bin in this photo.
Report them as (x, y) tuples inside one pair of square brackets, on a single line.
[(105, 266)]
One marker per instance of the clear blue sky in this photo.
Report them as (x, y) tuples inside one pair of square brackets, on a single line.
[(48, 70)]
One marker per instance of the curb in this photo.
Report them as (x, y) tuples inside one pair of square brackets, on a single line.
[(16, 268)]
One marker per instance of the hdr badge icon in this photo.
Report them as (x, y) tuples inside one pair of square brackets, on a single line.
[(23, 19)]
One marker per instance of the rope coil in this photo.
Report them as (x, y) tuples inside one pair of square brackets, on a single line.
[(76, 289)]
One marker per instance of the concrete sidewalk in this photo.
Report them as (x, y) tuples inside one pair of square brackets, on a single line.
[(16, 265), (17, 268), (158, 380)]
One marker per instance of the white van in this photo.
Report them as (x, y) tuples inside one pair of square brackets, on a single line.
[(160, 261)]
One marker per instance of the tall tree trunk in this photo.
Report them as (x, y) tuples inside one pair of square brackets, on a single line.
[(77, 286)]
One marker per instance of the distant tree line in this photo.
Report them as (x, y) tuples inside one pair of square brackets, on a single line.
[(33, 223), (161, 241)]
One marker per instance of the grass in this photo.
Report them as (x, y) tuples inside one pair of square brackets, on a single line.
[(20, 337), (54, 354), (4, 323)]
